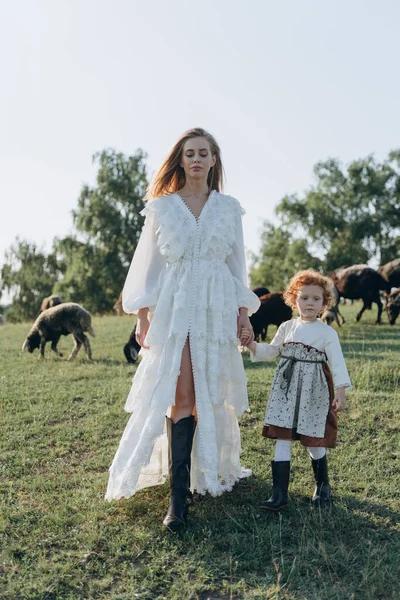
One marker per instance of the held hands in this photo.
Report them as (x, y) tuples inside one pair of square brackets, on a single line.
[(339, 400), (246, 336), (142, 327), (245, 331)]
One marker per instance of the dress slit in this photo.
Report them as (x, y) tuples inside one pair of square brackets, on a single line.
[(186, 369)]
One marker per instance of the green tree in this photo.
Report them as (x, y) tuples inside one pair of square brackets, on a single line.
[(280, 257), (91, 275), (350, 215), (28, 275), (108, 214), (88, 267), (107, 225)]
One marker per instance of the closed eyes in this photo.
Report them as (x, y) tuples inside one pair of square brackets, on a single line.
[(190, 154)]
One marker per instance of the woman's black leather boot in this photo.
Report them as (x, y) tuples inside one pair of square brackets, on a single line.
[(280, 479), (322, 492), (180, 441)]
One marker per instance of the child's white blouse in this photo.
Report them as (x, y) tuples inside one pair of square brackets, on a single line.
[(316, 334)]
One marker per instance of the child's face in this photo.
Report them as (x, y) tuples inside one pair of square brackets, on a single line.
[(310, 301)]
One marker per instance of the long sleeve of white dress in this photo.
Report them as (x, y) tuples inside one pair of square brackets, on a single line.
[(236, 262), (142, 282)]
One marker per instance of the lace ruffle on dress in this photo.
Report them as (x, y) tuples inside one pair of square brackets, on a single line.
[(191, 273)]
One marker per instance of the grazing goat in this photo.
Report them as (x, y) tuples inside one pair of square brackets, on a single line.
[(332, 314), (273, 311), (118, 306), (260, 291), (393, 306), (328, 316), (391, 272), (49, 302), (132, 348), (361, 282), (57, 321)]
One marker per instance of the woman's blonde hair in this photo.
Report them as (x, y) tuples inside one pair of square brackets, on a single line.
[(308, 277), (170, 177)]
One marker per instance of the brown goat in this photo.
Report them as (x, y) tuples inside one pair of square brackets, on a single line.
[(64, 319), (332, 314), (391, 272), (118, 306), (393, 306), (361, 282), (50, 301)]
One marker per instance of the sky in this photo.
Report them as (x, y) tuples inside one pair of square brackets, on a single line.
[(281, 85)]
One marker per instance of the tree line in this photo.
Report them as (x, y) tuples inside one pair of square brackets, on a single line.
[(89, 266), (349, 215)]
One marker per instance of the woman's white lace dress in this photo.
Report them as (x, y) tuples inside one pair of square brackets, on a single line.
[(191, 273)]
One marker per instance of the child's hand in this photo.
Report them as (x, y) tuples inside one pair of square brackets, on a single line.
[(247, 339), (339, 400), (252, 347)]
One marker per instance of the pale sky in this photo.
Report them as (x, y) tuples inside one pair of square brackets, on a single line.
[(281, 85)]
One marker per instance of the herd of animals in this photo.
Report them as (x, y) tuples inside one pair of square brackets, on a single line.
[(57, 318)]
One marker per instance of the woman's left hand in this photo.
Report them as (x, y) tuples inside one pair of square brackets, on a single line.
[(243, 324)]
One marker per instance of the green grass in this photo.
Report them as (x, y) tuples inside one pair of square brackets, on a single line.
[(61, 423)]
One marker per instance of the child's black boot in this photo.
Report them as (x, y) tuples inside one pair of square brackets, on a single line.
[(280, 479), (322, 492)]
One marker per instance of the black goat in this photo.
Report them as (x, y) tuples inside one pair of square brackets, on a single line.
[(132, 348), (261, 291), (360, 281), (273, 311)]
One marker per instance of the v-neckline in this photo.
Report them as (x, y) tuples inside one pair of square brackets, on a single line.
[(186, 205)]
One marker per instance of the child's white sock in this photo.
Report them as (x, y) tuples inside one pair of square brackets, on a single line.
[(282, 450), (317, 453)]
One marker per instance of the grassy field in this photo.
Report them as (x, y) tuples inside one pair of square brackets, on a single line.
[(61, 423)]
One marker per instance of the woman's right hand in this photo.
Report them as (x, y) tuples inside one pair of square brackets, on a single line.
[(142, 327)]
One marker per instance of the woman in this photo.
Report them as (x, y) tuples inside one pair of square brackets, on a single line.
[(187, 284)]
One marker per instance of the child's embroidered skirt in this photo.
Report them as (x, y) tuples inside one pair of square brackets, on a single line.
[(300, 403)]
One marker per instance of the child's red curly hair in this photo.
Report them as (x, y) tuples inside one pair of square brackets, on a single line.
[(309, 277)]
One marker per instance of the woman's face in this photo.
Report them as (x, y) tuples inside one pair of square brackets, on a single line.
[(197, 159), (310, 301)]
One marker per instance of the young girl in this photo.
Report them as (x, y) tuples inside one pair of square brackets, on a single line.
[(303, 399)]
